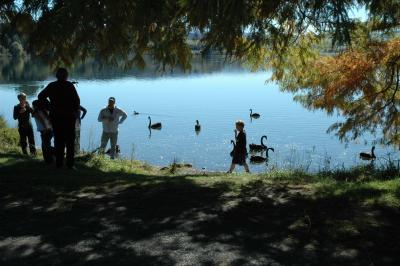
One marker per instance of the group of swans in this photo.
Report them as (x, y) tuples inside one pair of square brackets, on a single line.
[(256, 148), (158, 125), (253, 147), (197, 126), (260, 148)]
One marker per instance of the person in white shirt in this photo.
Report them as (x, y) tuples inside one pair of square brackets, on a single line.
[(42, 119), (111, 117)]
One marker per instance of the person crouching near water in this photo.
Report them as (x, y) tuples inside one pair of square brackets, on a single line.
[(22, 113), (111, 117), (240, 152), (42, 119)]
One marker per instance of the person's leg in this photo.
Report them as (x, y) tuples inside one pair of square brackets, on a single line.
[(70, 141), (31, 139), (113, 141), (22, 141), (77, 137), (46, 146), (231, 168), (58, 141), (246, 167), (104, 140)]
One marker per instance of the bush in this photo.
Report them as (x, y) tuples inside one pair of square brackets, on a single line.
[(9, 137)]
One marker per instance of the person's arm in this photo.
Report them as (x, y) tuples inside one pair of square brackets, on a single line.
[(84, 111), (45, 93), (16, 112), (29, 108), (242, 140), (123, 116), (76, 100), (101, 116)]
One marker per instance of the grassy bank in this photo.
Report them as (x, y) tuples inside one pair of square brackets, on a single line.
[(130, 213)]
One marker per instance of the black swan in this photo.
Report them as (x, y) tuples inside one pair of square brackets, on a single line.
[(197, 127), (272, 149), (155, 125), (233, 150), (367, 156), (254, 115), (257, 159), (257, 147), (135, 113)]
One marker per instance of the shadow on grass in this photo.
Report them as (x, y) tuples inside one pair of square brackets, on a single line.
[(91, 217)]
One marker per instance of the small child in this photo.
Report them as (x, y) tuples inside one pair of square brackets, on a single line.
[(240, 152), (22, 112), (40, 113)]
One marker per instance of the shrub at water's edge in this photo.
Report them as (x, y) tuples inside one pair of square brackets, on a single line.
[(8, 136)]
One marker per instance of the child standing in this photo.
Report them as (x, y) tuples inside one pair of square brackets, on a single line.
[(240, 152), (41, 115), (79, 116), (22, 113)]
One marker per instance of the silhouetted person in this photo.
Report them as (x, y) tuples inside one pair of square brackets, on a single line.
[(22, 113), (64, 105), (240, 151), (79, 116)]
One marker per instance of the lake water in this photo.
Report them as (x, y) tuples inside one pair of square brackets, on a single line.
[(216, 99)]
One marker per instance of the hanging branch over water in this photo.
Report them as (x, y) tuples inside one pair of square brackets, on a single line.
[(123, 31), (361, 84)]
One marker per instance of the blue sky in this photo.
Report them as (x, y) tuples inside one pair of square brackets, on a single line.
[(360, 13)]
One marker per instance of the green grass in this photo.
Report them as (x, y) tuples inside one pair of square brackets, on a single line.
[(123, 212)]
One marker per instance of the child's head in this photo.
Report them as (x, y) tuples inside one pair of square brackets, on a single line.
[(21, 97), (239, 125), (40, 105)]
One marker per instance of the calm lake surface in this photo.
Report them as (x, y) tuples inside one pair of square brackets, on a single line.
[(216, 99)]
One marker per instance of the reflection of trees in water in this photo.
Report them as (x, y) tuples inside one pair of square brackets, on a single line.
[(30, 90), (23, 70), (30, 70), (92, 69)]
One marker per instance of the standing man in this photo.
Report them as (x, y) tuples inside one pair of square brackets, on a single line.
[(111, 117), (22, 113), (64, 105)]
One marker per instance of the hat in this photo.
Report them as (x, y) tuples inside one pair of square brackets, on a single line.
[(111, 99)]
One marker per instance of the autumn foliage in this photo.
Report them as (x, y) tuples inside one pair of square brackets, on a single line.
[(361, 84)]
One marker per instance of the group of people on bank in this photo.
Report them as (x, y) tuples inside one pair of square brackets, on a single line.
[(58, 113)]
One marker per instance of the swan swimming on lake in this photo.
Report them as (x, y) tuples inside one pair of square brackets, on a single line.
[(233, 150), (257, 147), (367, 156), (257, 159), (155, 125), (254, 115), (197, 127)]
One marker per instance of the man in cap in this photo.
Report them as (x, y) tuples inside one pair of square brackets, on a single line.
[(64, 105), (111, 116)]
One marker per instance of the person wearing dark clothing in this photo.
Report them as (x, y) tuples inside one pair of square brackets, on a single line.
[(41, 115), (240, 152), (64, 105), (80, 115), (22, 112)]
